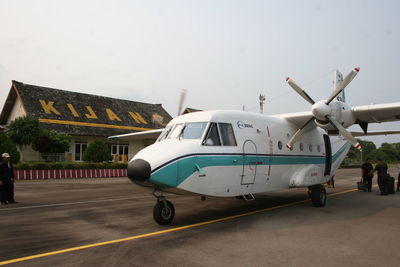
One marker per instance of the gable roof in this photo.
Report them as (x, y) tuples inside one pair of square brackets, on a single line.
[(84, 114), (190, 110)]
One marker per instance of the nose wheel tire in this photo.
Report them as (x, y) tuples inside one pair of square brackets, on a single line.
[(318, 195), (163, 212)]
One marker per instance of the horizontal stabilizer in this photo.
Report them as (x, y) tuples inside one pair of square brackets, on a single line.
[(375, 133)]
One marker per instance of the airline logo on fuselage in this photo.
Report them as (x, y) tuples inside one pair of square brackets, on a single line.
[(242, 125)]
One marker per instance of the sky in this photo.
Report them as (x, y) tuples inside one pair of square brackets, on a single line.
[(224, 52)]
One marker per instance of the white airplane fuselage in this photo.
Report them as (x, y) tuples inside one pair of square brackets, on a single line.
[(256, 160)]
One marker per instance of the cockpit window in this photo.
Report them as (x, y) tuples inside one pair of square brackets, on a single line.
[(189, 130), (176, 131), (193, 130), (165, 133), (227, 134), (212, 137)]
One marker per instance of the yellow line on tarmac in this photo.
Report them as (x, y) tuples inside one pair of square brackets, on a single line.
[(160, 232)]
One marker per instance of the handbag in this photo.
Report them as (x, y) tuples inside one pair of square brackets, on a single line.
[(361, 185)]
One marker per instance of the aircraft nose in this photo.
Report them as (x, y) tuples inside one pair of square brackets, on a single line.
[(139, 170)]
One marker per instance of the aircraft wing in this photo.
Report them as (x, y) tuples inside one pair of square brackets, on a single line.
[(377, 113), (370, 113), (297, 118), (152, 134)]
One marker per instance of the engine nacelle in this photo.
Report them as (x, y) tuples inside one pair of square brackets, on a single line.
[(341, 112)]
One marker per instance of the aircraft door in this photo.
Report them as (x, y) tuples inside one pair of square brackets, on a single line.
[(250, 161), (328, 155)]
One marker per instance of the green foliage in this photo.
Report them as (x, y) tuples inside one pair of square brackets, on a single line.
[(50, 141), (23, 131), (68, 165), (97, 151), (6, 145), (387, 152)]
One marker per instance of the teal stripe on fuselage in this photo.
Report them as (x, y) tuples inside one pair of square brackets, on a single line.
[(179, 170)]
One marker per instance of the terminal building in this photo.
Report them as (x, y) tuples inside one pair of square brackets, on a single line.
[(85, 118)]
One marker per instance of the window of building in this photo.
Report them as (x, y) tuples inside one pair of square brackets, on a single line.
[(301, 147), (119, 151), (79, 149), (310, 147)]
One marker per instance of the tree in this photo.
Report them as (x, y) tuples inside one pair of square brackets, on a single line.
[(391, 154), (23, 131), (50, 141), (97, 151), (6, 145), (377, 154)]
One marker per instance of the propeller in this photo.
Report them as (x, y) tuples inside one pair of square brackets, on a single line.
[(322, 111), (181, 101)]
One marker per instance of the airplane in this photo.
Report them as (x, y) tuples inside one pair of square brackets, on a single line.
[(229, 153)]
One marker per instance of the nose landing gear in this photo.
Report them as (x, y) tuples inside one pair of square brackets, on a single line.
[(163, 211)]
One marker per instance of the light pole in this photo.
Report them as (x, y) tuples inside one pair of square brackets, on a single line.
[(262, 101)]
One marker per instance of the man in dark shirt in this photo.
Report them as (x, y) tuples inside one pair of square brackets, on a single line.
[(7, 180), (381, 167), (366, 173)]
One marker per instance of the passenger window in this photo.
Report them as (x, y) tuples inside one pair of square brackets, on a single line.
[(227, 134), (280, 145), (212, 137)]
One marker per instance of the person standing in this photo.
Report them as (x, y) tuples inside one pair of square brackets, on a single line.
[(398, 178), (366, 169), (7, 180), (381, 167)]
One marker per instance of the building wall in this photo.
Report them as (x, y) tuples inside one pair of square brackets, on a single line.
[(28, 154), (18, 110)]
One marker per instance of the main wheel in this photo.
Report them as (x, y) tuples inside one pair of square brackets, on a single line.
[(162, 214), (318, 195)]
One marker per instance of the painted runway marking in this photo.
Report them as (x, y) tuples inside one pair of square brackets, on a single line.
[(70, 203), (162, 232)]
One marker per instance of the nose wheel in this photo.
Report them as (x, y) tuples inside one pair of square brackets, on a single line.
[(163, 211)]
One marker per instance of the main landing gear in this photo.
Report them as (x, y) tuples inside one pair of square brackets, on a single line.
[(164, 211), (317, 194)]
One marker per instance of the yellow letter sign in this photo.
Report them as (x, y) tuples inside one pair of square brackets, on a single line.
[(48, 107)]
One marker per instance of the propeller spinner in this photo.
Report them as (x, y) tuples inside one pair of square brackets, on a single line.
[(322, 111)]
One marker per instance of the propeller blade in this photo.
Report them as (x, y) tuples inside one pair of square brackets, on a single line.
[(346, 134), (299, 133), (181, 101), (343, 84), (300, 91)]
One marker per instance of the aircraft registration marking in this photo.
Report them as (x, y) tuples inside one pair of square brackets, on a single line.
[(162, 232)]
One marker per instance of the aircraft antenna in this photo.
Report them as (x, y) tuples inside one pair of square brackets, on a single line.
[(262, 101)]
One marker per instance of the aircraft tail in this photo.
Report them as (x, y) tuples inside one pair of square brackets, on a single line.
[(338, 80)]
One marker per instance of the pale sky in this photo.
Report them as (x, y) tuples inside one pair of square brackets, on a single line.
[(225, 53)]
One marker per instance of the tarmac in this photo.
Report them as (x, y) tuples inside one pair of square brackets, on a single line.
[(109, 222)]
